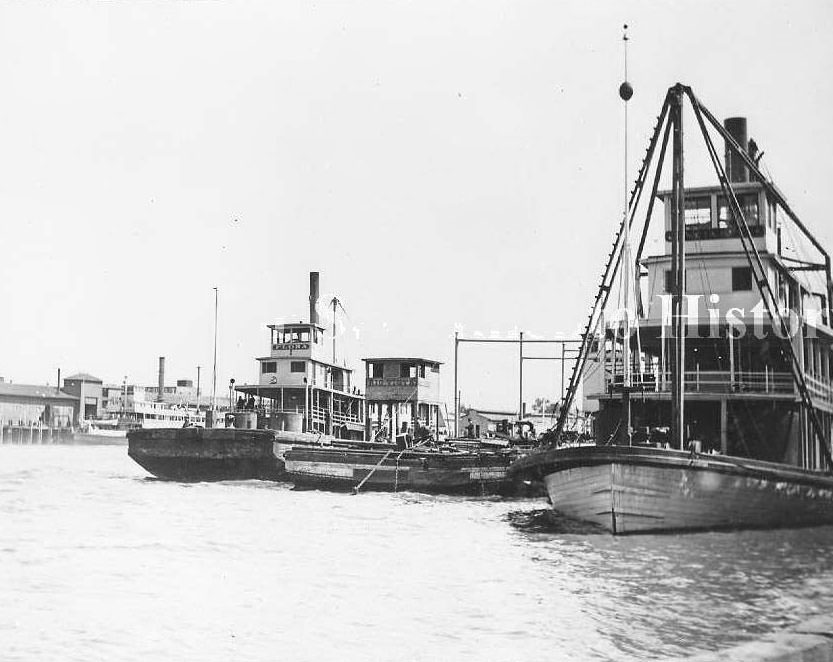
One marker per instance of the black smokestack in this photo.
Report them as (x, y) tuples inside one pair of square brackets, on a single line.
[(736, 171), (161, 379), (313, 297)]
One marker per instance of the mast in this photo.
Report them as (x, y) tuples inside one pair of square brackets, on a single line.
[(214, 378), (627, 378), (677, 271)]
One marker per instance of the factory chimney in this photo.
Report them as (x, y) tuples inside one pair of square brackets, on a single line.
[(159, 396), (313, 297), (736, 171)]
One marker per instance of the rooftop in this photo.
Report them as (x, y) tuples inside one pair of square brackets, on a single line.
[(491, 415), (404, 359), (289, 325), (83, 377), (34, 391)]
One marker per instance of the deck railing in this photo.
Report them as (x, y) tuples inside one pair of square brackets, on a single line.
[(714, 381), (765, 382)]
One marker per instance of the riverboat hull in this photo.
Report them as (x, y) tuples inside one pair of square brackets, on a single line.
[(628, 490)]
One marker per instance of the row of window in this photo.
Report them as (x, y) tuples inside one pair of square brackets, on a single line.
[(698, 210), (405, 370), (741, 279), (304, 334), (267, 367)]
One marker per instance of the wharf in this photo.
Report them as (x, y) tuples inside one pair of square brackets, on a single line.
[(34, 435)]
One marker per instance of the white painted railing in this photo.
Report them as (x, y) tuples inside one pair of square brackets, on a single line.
[(715, 381), (724, 381)]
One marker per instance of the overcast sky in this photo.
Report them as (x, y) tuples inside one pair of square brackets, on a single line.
[(441, 163)]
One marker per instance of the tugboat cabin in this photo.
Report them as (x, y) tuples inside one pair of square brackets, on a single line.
[(403, 397), (300, 388)]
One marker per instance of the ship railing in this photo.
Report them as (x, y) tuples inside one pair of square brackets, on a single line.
[(321, 413), (338, 388), (820, 388), (714, 381)]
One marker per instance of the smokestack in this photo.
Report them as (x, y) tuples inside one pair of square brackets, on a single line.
[(58, 389), (159, 397), (313, 297), (736, 171)]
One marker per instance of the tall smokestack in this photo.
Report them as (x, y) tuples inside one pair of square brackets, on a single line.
[(58, 389), (159, 397), (736, 171), (313, 297)]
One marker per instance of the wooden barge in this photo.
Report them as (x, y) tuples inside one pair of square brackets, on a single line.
[(400, 470)]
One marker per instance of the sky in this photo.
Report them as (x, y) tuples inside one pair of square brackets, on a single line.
[(446, 165)]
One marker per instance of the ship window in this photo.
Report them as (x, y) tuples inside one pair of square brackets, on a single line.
[(748, 204), (268, 366), (698, 211), (298, 366), (305, 336), (376, 370), (296, 336), (422, 371), (741, 279)]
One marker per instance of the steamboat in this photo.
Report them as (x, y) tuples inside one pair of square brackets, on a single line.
[(306, 421), (712, 392)]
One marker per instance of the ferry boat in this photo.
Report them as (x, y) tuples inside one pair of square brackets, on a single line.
[(134, 407), (714, 401)]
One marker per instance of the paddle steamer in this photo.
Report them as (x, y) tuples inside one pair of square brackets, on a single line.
[(713, 398)]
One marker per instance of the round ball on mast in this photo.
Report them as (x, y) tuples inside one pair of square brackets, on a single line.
[(625, 91)]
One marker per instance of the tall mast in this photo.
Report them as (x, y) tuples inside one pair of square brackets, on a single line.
[(677, 271), (625, 92)]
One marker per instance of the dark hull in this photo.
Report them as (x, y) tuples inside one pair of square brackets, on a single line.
[(197, 454), (429, 472), (647, 490)]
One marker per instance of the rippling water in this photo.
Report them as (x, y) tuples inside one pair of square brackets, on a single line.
[(97, 561)]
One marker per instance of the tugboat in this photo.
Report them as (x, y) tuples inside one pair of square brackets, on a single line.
[(714, 400), (301, 398)]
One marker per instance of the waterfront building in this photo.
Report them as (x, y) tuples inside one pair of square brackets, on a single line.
[(89, 392), (487, 423), (29, 404)]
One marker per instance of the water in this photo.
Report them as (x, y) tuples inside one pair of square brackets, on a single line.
[(99, 562)]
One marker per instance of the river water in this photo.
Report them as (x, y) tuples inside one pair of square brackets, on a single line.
[(100, 562)]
